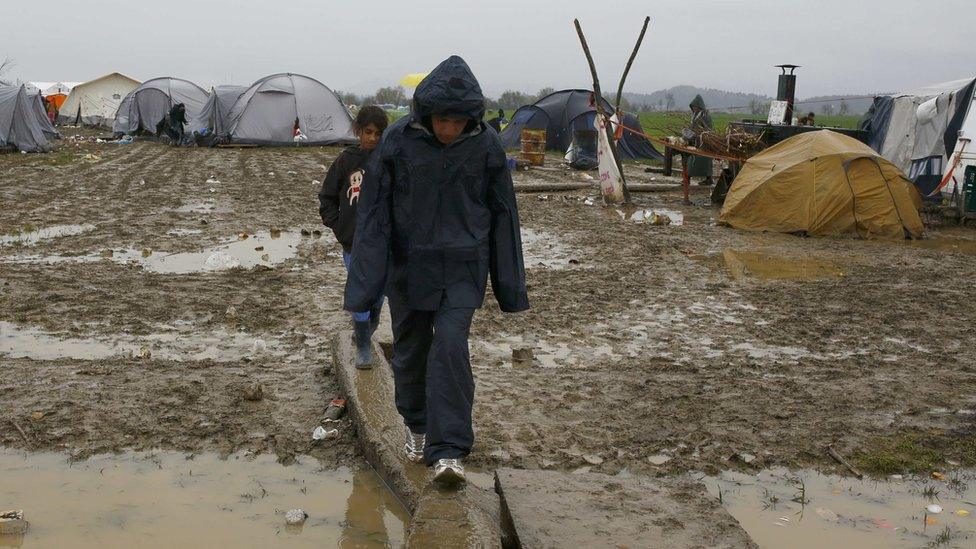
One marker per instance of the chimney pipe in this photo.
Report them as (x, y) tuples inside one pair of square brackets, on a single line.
[(786, 90)]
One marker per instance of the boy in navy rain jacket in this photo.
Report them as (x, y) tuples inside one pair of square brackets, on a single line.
[(437, 215)]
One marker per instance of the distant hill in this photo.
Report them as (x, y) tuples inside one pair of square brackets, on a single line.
[(722, 100)]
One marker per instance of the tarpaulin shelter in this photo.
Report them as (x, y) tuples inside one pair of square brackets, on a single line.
[(823, 183), (565, 112), (23, 122), (267, 112), (144, 107), (918, 130), (634, 145), (94, 103), (215, 115)]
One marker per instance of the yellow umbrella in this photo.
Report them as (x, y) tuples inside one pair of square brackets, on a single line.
[(413, 80)]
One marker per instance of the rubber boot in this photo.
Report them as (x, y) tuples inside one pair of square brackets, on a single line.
[(374, 319), (364, 345)]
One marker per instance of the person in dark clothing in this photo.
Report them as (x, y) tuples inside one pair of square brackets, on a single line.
[(338, 200), (701, 121), (437, 215), (496, 123), (177, 118)]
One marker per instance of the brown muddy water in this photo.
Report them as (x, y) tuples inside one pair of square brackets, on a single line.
[(31, 236), (265, 248), (806, 509), (745, 264), (169, 499)]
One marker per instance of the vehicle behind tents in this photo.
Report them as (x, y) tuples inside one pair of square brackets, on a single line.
[(567, 114), (146, 106), (918, 130), (286, 108), (24, 124), (823, 183), (94, 103)]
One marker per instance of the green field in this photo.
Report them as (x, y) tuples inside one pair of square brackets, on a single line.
[(658, 124)]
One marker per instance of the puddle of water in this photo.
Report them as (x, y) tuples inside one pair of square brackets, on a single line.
[(177, 344), (184, 232), (951, 245), (207, 206), (167, 499), (846, 512), (264, 248), (32, 237), (765, 266), (545, 354), (543, 249)]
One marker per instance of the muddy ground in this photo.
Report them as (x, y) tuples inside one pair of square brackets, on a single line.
[(659, 348)]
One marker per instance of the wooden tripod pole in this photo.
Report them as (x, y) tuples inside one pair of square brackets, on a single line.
[(620, 89), (599, 110)]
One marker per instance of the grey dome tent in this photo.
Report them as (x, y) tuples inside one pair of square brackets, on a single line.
[(562, 113), (215, 115), (144, 107), (24, 124), (266, 113)]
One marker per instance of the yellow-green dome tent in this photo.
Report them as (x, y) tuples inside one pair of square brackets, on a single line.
[(823, 183)]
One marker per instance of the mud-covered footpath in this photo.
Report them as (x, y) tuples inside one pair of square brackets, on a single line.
[(149, 294)]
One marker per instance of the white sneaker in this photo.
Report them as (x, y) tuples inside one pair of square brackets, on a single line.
[(449, 472), (414, 446)]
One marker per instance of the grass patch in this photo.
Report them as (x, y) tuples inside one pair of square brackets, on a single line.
[(916, 453), (656, 124)]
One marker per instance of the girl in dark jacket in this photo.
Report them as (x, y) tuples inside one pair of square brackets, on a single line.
[(337, 206)]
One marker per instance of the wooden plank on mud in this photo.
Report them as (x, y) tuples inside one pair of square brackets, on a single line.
[(467, 517), (558, 509)]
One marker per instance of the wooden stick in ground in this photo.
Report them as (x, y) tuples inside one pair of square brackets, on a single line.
[(598, 99), (840, 459), (21, 431), (633, 54)]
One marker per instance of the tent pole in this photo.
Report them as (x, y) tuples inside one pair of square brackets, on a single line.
[(599, 109)]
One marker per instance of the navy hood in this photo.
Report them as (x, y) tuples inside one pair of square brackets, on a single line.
[(450, 88)]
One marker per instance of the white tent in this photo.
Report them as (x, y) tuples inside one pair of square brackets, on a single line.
[(95, 102), (51, 88), (964, 153), (918, 130)]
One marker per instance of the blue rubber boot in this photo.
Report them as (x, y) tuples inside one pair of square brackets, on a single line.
[(364, 345)]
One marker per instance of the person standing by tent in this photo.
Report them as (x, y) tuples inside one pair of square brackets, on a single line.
[(177, 118), (52, 109), (701, 121), (496, 123), (338, 201), (437, 215)]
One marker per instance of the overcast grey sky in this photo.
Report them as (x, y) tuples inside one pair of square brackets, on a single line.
[(844, 46)]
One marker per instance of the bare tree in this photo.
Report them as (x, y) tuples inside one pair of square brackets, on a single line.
[(6, 65), (544, 92), (844, 108), (394, 95), (669, 101)]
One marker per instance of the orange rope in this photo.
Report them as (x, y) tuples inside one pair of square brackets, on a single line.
[(689, 150)]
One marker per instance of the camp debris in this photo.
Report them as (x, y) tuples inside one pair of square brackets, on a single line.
[(823, 183)]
